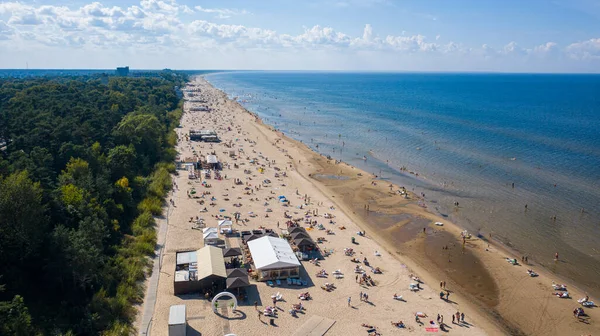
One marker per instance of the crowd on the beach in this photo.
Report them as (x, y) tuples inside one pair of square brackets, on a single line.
[(246, 188)]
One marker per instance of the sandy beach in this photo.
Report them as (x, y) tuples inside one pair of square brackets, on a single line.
[(497, 298)]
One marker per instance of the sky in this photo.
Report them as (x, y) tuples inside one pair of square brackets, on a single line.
[(354, 35)]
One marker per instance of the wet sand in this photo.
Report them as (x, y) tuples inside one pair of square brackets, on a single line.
[(479, 273)]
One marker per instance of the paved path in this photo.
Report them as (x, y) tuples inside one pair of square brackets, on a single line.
[(150, 299)]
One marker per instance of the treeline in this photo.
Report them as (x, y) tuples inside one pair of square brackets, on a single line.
[(84, 166)]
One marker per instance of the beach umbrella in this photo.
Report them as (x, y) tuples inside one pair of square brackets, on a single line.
[(221, 210)]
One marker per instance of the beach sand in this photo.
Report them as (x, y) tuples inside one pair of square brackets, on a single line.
[(496, 297)]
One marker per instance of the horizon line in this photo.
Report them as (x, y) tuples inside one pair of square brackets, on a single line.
[(315, 70)]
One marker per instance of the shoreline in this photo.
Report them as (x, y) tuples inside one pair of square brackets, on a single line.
[(389, 217), (513, 323), (488, 203)]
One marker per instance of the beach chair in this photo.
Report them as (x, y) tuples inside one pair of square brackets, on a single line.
[(278, 282), (277, 296), (304, 283), (289, 281), (270, 283), (298, 282)]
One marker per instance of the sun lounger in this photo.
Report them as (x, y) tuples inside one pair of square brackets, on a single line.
[(270, 283), (278, 282), (559, 287), (277, 296), (304, 283), (289, 281)]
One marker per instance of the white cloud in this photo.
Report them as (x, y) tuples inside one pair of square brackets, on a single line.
[(222, 13), (163, 26), (585, 50), (368, 33), (6, 31), (511, 48), (546, 47)]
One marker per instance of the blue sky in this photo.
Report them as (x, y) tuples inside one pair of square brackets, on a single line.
[(437, 35)]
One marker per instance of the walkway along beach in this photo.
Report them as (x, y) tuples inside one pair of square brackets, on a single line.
[(401, 238)]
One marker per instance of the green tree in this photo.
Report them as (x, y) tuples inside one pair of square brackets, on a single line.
[(15, 319), (23, 220)]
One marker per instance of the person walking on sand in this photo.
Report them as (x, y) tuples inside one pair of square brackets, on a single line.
[(349, 300), (453, 318), (556, 256), (361, 296), (256, 305), (462, 317), (441, 284)]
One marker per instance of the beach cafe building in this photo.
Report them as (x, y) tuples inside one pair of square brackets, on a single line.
[(212, 161), (198, 270), (273, 258)]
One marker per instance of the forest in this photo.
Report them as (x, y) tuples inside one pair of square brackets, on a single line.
[(85, 163)]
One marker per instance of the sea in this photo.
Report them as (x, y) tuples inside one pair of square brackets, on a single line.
[(518, 153)]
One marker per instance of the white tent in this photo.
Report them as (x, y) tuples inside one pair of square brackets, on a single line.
[(225, 225), (212, 159), (271, 253), (210, 235)]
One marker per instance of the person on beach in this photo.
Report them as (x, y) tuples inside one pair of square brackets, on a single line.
[(453, 318), (462, 317), (349, 300), (556, 256)]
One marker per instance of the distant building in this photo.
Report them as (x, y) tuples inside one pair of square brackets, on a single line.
[(123, 71)]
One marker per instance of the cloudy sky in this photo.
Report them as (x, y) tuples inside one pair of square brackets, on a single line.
[(425, 35)]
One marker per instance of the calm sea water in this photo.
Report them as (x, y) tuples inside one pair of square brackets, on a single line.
[(469, 137)]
